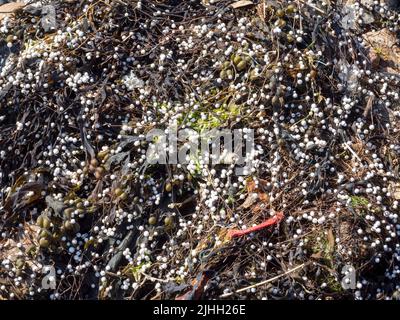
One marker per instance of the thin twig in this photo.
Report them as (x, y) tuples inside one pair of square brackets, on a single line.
[(264, 282)]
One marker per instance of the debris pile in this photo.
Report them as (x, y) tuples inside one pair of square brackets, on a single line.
[(86, 206)]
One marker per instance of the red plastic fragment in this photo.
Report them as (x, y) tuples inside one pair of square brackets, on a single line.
[(269, 222)]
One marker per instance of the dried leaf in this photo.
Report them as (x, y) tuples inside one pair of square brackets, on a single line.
[(254, 193), (317, 255), (331, 240), (251, 186), (11, 251), (384, 43), (241, 4), (395, 190), (250, 200), (263, 197), (261, 10), (10, 8), (368, 106)]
